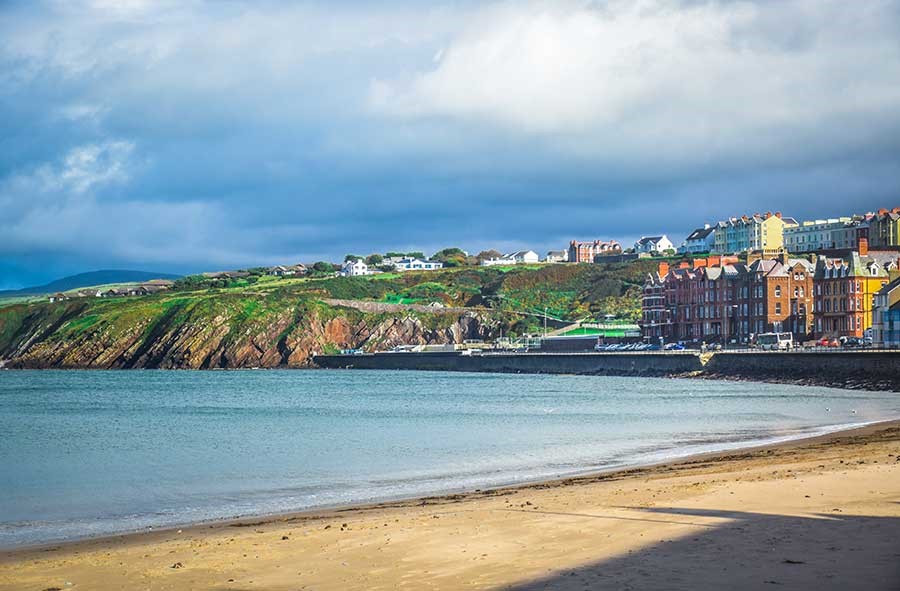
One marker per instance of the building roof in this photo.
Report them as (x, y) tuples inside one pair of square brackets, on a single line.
[(889, 287), (700, 233), (650, 239), (874, 264)]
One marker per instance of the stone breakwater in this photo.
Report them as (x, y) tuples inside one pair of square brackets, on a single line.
[(870, 370)]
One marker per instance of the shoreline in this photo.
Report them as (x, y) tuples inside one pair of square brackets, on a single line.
[(855, 382), (462, 494), (820, 512)]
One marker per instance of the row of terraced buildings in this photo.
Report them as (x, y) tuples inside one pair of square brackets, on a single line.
[(727, 299)]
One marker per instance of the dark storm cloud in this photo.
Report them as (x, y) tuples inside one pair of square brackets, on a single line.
[(202, 135)]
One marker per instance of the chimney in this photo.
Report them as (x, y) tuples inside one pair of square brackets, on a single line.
[(663, 269), (778, 214), (882, 211), (768, 214), (863, 246)]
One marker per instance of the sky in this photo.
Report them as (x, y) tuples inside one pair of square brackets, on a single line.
[(183, 136)]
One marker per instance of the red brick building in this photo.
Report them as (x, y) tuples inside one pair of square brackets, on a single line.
[(722, 300), (584, 252)]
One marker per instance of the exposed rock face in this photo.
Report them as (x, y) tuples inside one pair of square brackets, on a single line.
[(216, 336)]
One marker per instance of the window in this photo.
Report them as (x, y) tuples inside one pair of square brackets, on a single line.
[(801, 292), (777, 291), (796, 292), (778, 307)]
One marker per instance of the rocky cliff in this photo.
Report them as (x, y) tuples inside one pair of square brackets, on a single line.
[(214, 332)]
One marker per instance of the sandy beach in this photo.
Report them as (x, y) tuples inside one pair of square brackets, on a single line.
[(822, 513)]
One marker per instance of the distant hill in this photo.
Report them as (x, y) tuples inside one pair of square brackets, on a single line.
[(89, 279)]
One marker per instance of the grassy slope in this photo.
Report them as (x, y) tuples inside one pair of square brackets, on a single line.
[(566, 291)]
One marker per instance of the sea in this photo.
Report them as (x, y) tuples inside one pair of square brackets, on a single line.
[(93, 453)]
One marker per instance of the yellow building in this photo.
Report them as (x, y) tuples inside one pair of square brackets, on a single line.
[(845, 288), (749, 233)]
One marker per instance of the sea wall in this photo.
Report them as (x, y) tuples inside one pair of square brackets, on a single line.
[(878, 370), (852, 369), (620, 364)]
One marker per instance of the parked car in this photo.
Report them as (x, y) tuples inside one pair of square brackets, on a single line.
[(856, 342), (674, 347), (828, 342)]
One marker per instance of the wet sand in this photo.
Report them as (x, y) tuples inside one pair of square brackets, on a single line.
[(821, 514)]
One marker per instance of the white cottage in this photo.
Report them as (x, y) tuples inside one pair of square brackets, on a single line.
[(355, 268)]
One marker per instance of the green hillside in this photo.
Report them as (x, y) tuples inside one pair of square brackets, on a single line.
[(206, 322)]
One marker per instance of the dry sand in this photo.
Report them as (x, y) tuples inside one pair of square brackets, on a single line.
[(819, 514)]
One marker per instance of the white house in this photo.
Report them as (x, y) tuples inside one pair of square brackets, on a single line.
[(524, 257), (653, 244), (557, 256), (700, 240), (521, 257), (498, 261), (410, 264), (355, 268)]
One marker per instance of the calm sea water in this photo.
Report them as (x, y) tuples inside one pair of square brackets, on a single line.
[(86, 453)]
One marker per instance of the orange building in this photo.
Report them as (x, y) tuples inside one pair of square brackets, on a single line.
[(845, 288)]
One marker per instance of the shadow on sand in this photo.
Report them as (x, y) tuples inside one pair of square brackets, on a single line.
[(752, 551)]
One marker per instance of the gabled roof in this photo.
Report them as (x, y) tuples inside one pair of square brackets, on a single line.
[(805, 263), (889, 287), (650, 239), (700, 233)]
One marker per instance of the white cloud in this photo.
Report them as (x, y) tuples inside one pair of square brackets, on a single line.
[(661, 78), (263, 129)]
